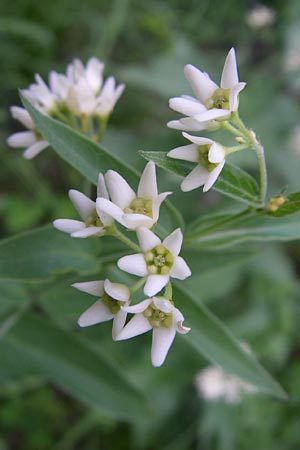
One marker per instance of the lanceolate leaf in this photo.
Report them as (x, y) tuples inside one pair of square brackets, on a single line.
[(210, 337), (233, 181), (64, 359)]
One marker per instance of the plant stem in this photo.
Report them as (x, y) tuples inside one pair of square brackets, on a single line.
[(113, 231), (236, 148)]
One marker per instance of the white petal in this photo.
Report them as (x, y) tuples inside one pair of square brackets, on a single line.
[(134, 264), (139, 307), (197, 140), (21, 139), (117, 291), (148, 184), (177, 125), (198, 176), (136, 326), (93, 73), (91, 287), (109, 208), (234, 96), (87, 232), (84, 205), (163, 305), (186, 152), (173, 242), (229, 74), (180, 269), (97, 313), (147, 239), (101, 187), (133, 221), (200, 82), (213, 175), (119, 190), (213, 114), (156, 204), (68, 225), (118, 324), (22, 116), (216, 153), (178, 321), (35, 149), (186, 106), (162, 339), (190, 124), (155, 283)]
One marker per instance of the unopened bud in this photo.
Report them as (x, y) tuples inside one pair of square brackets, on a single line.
[(240, 140), (275, 203)]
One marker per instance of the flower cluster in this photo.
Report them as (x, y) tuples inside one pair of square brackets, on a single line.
[(156, 261), (214, 107), (79, 98)]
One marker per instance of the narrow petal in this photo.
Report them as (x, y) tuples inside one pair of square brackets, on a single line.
[(156, 204), (136, 326), (190, 124), (22, 116), (186, 106), (216, 153), (84, 205), (117, 291), (91, 287), (173, 242), (134, 221), (200, 82), (180, 269), (178, 321), (148, 184), (213, 114), (93, 72), (134, 264), (118, 323), (119, 190), (97, 313), (147, 239), (155, 283), (178, 125), (101, 187), (234, 96), (162, 339), (186, 152), (68, 225), (21, 139), (35, 149), (198, 176), (230, 74), (197, 140), (109, 208), (87, 232), (139, 307), (163, 305), (213, 175)]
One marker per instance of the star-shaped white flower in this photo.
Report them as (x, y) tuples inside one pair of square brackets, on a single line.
[(212, 103), (128, 208), (210, 157), (158, 262), (30, 139), (113, 296), (108, 97), (159, 315), (93, 222)]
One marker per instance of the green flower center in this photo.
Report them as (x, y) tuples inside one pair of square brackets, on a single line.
[(158, 318), (219, 99), (112, 304), (159, 260), (140, 206), (203, 151), (93, 220)]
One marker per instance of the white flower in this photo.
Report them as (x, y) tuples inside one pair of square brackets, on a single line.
[(112, 297), (158, 262), (92, 73), (213, 103), (80, 99), (41, 96), (109, 95), (213, 383), (210, 157), (30, 139), (128, 208), (93, 223), (160, 315)]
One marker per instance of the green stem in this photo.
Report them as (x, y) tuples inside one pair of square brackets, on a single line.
[(228, 126), (236, 148), (138, 284), (113, 231)]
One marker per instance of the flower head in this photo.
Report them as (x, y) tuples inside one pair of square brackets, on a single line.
[(210, 157), (113, 296), (157, 314), (158, 262), (30, 139), (212, 103), (93, 223), (128, 208)]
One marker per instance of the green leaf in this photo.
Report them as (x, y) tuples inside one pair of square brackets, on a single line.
[(64, 359), (233, 181), (46, 252), (257, 229), (211, 338), (290, 206)]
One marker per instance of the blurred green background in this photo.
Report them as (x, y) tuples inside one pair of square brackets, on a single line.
[(146, 44)]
